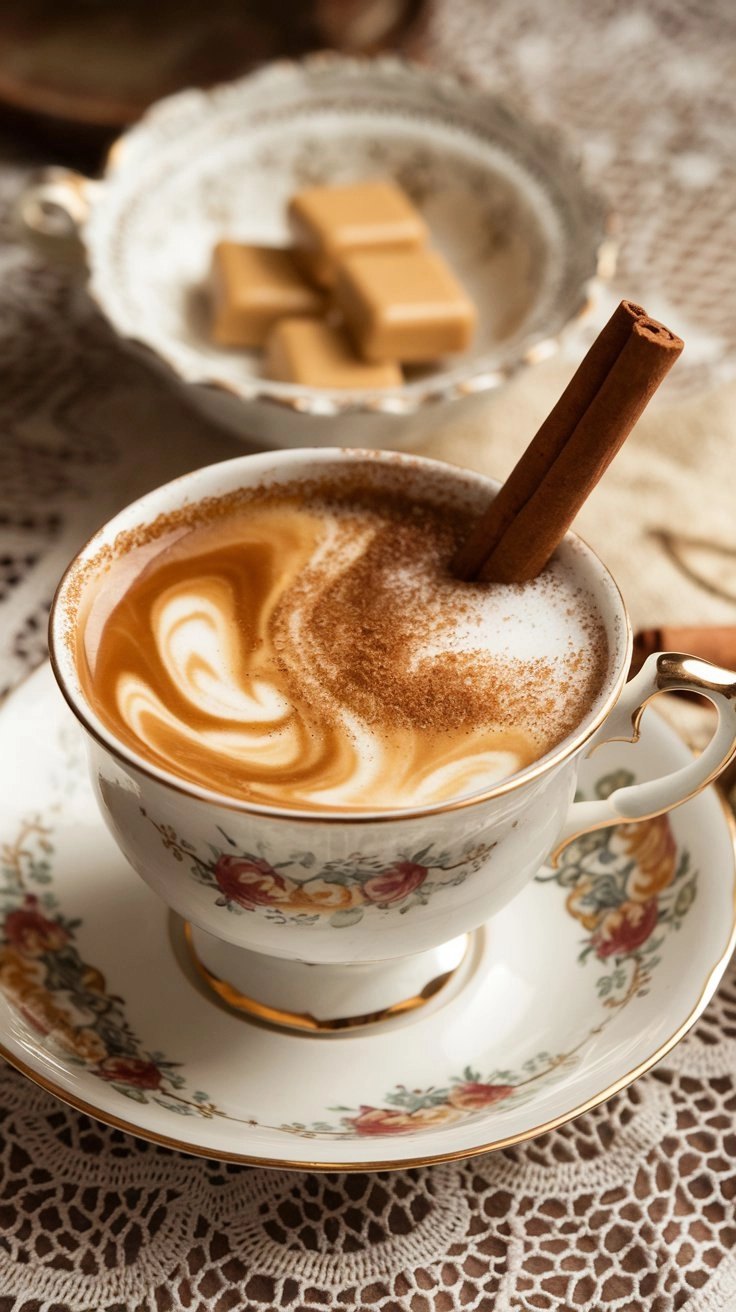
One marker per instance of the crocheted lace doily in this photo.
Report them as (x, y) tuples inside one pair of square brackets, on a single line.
[(632, 1205), (644, 91)]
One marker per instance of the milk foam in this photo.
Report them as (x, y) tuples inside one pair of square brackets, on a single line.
[(303, 658)]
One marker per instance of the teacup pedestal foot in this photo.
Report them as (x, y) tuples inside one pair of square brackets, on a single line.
[(319, 998)]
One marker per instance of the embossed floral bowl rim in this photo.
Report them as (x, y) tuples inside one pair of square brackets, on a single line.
[(505, 200)]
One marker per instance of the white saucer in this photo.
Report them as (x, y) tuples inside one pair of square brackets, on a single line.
[(565, 998)]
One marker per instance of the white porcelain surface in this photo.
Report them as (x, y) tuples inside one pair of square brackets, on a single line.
[(504, 201), (96, 1005)]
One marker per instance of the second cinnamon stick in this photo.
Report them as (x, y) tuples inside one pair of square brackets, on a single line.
[(710, 642)]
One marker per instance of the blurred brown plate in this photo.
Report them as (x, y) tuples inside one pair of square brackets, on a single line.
[(100, 63)]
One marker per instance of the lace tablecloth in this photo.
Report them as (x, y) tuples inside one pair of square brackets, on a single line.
[(633, 1205)]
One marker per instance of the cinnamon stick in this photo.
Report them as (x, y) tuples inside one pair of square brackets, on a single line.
[(521, 527)]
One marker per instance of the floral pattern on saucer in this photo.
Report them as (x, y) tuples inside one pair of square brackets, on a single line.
[(292, 892), (409, 1110), (63, 997), (629, 887)]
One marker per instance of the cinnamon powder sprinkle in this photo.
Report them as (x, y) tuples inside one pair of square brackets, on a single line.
[(363, 626), (383, 631)]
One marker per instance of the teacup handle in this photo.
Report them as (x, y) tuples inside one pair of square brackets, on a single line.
[(665, 672), (52, 211)]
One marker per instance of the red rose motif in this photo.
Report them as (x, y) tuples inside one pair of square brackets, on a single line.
[(379, 1120), (472, 1095), (625, 929), (130, 1070), (31, 933), (250, 881), (395, 882), (389, 1120)]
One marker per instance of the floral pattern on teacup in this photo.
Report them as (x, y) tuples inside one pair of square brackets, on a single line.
[(293, 892)]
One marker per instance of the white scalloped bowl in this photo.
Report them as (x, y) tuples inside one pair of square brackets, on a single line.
[(504, 201)]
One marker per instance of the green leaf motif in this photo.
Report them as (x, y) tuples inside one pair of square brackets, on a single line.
[(136, 1095), (613, 781), (180, 1108), (685, 898), (343, 919), (418, 857), (414, 1100)]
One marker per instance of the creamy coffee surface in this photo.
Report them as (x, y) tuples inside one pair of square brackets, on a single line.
[(307, 646)]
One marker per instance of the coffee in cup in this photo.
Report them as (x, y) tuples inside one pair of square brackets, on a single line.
[(305, 644)]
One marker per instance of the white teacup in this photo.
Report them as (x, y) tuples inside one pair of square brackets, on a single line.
[(269, 926)]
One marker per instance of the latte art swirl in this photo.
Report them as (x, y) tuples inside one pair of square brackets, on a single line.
[(319, 655)]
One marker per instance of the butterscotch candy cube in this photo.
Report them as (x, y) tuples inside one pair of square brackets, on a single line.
[(318, 354), (254, 286), (404, 306), (328, 222)]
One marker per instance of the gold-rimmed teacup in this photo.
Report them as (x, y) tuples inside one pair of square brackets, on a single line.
[(270, 931)]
